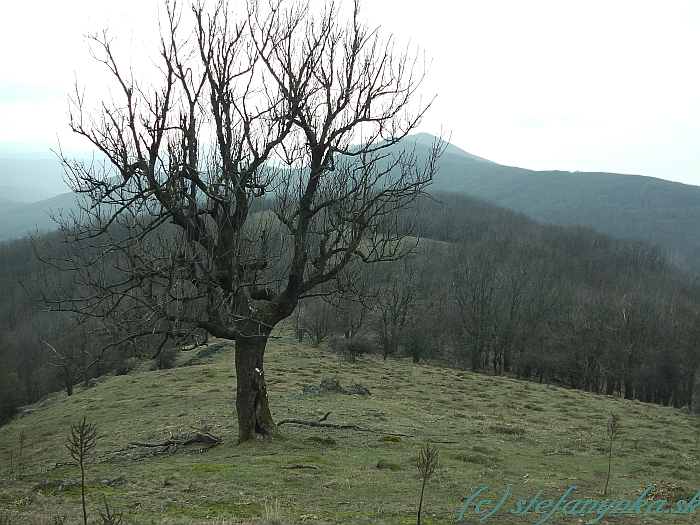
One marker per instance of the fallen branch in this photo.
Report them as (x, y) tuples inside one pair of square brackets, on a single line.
[(301, 465), (199, 437), (321, 423)]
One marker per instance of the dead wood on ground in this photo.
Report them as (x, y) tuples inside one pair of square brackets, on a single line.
[(200, 437), (321, 423)]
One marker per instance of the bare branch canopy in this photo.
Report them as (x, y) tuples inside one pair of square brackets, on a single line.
[(260, 163)]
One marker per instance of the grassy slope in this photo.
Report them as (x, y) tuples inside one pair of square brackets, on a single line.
[(531, 436)]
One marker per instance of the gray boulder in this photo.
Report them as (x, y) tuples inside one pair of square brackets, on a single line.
[(27, 412), (331, 384), (358, 389), (311, 390)]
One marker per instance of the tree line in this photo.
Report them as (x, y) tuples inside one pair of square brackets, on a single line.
[(493, 291), (486, 289)]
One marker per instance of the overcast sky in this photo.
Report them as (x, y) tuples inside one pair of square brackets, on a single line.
[(572, 85)]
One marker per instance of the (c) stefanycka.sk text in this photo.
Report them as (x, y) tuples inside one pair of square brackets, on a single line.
[(594, 509)]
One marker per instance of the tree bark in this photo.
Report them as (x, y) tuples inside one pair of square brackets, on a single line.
[(254, 417)]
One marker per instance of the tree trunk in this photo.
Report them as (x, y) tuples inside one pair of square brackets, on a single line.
[(695, 392), (506, 359), (416, 353), (254, 417), (69, 381)]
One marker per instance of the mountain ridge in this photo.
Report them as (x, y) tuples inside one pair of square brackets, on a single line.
[(19, 219), (624, 206)]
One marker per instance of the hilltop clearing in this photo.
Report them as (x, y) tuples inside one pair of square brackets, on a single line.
[(490, 431)]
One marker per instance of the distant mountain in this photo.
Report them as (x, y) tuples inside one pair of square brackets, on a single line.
[(18, 219), (8, 204), (426, 139), (40, 178), (31, 188), (624, 206), (30, 171), (23, 194)]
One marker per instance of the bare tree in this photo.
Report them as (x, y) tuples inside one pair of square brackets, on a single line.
[(427, 463), (477, 293), (263, 163), (396, 299), (320, 320)]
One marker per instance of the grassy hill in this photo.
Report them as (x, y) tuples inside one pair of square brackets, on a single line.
[(490, 431)]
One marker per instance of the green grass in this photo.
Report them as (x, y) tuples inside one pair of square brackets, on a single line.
[(492, 431)]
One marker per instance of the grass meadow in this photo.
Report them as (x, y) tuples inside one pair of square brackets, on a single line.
[(490, 431)]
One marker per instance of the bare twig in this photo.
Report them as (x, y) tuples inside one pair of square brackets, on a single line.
[(110, 516), (320, 423), (613, 428), (426, 465), (22, 439)]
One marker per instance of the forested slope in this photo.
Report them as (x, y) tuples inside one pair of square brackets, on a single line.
[(624, 206), (488, 289)]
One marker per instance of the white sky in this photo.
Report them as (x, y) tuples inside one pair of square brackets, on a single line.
[(571, 85)]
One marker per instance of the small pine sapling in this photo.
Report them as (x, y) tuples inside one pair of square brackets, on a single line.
[(426, 466), (613, 429), (82, 440)]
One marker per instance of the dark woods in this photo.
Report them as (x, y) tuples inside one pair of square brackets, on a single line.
[(487, 290), (568, 305), (41, 351)]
